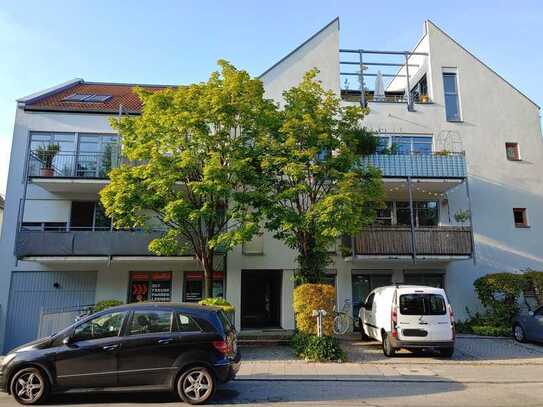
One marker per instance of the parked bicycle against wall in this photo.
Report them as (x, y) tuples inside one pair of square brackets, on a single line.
[(343, 322)]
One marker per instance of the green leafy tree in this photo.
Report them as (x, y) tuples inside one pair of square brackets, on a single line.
[(317, 191), (194, 166)]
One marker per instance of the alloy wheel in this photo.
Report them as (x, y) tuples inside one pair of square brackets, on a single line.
[(197, 386), (28, 386)]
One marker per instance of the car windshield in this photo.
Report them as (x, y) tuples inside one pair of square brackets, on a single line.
[(422, 304)]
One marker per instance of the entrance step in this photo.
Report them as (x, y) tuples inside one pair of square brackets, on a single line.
[(265, 337)]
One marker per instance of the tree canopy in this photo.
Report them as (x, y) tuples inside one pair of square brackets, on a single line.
[(192, 167), (317, 191)]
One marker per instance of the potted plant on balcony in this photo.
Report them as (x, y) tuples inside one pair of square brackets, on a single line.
[(462, 217), (45, 156)]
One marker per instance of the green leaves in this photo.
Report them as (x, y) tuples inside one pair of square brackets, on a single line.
[(316, 192), (194, 164)]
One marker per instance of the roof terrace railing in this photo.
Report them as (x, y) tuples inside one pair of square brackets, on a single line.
[(363, 65)]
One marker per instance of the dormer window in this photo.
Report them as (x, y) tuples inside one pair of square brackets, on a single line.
[(86, 98)]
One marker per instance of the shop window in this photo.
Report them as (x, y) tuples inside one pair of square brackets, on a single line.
[(512, 151), (520, 217), (194, 285), (150, 286)]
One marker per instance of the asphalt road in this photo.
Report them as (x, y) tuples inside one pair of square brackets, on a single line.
[(310, 393)]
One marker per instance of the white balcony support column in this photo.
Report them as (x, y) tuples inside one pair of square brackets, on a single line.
[(361, 78), (407, 86)]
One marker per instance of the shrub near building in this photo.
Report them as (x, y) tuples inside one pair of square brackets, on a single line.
[(306, 343)]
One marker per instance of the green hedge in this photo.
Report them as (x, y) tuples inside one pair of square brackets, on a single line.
[(317, 349)]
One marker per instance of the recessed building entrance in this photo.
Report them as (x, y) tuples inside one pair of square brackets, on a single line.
[(261, 299)]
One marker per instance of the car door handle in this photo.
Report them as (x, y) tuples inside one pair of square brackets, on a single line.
[(110, 347), (165, 341)]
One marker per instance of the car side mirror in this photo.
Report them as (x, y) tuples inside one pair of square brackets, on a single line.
[(68, 341)]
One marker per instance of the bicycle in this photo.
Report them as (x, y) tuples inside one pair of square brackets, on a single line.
[(342, 320)]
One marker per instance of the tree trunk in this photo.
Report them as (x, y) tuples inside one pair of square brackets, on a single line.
[(207, 265)]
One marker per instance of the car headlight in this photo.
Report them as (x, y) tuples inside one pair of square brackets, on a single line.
[(8, 358)]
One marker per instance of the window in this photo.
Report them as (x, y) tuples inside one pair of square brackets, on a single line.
[(150, 286), (194, 285), (87, 215), (104, 326), (86, 97), (425, 213), (52, 152), (430, 280), (384, 215), (185, 323), (450, 87), (404, 145), (422, 304), (148, 322), (519, 215), (512, 151), (98, 154)]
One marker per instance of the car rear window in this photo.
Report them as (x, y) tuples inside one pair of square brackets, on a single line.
[(422, 304), (227, 325)]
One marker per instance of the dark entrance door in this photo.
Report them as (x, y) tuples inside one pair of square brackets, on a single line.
[(261, 299)]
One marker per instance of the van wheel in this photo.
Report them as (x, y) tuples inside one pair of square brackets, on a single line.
[(29, 386), (363, 335), (196, 385), (446, 352), (388, 349)]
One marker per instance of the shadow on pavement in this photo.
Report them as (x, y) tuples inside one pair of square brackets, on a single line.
[(273, 391)]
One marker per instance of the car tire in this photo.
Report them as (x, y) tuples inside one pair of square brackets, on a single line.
[(446, 352), (519, 334), (388, 349), (29, 386), (196, 385), (363, 335)]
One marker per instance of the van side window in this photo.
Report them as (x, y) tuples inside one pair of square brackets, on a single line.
[(369, 302)]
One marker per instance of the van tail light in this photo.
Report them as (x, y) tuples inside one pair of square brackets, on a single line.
[(394, 321), (224, 347)]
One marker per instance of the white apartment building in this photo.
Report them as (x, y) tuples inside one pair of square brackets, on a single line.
[(460, 150)]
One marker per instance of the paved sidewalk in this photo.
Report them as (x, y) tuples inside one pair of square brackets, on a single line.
[(476, 360)]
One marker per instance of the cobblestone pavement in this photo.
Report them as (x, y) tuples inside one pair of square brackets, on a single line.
[(468, 349)]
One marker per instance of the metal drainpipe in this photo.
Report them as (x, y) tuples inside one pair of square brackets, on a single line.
[(413, 242), (408, 90)]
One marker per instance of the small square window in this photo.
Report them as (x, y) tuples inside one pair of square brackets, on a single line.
[(519, 215), (512, 151)]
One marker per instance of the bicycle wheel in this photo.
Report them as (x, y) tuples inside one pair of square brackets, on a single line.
[(341, 324)]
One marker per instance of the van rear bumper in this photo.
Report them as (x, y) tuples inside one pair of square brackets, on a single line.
[(396, 343)]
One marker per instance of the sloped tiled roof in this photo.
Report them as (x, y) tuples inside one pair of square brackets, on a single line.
[(121, 95)]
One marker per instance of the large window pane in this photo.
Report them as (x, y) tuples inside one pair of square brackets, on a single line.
[(452, 108), (449, 82)]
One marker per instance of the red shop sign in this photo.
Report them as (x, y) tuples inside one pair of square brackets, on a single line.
[(140, 276), (161, 276)]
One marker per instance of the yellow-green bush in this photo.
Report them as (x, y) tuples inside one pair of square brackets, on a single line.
[(309, 297)]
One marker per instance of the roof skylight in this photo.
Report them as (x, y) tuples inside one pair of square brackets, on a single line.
[(86, 97)]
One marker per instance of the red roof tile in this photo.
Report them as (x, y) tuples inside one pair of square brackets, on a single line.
[(121, 94)]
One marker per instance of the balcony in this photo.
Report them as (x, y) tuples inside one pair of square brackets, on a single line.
[(73, 172), (84, 243), (445, 241), (444, 165)]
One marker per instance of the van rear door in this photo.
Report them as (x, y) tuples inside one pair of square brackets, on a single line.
[(423, 316)]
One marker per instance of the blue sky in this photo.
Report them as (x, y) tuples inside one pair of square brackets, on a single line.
[(43, 43)]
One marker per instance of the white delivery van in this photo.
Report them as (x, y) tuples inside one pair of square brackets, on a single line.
[(409, 317)]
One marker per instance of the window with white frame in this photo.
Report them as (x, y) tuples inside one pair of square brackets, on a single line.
[(450, 89)]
